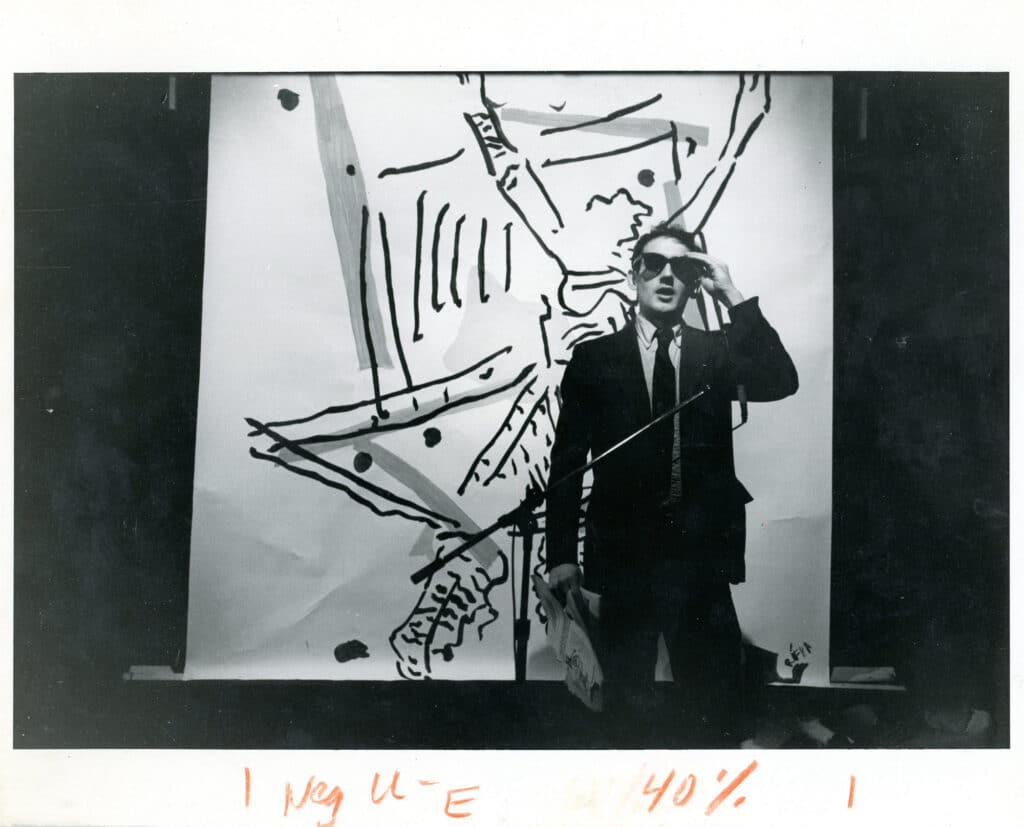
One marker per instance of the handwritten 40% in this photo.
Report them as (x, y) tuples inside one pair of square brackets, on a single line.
[(688, 785)]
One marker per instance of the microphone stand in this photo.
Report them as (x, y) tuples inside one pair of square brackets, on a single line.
[(524, 518)]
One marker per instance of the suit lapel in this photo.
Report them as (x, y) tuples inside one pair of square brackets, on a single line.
[(693, 358), (629, 370)]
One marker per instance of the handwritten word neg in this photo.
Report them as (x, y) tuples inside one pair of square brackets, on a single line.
[(328, 796)]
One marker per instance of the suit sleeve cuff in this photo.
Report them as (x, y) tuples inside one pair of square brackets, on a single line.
[(748, 308)]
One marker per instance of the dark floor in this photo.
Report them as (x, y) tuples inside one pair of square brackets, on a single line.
[(468, 715)]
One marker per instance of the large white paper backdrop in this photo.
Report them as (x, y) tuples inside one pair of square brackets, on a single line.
[(396, 270)]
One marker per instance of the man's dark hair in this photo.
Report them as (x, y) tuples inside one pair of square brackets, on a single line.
[(689, 240)]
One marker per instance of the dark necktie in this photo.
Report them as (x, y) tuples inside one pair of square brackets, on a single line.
[(663, 398)]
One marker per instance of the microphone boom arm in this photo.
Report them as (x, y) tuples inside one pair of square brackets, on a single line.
[(535, 497)]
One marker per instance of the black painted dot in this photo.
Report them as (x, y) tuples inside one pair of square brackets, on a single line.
[(349, 650), (362, 462), (431, 437), (646, 177), (350, 169), (289, 99)]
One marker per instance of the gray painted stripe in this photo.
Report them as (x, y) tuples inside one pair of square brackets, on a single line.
[(346, 197), (674, 202), (623, 127)]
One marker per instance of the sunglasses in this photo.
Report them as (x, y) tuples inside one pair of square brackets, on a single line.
[(684, 268)]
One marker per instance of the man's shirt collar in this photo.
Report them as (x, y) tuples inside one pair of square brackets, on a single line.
[(646, 331)]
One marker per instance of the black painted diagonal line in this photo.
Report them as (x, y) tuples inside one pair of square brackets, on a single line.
[(508, 256), (392, 394), (696, 194), (718, 195), (299, 451), (596, 285), (421, 166), (581, 325), (545, 317), (550, 414), (522, 217), (431, 495), (391, 299), (589, 334), (303, 472), (611, 116), (515, 441), (346, 194), (434, 521), (676, 171), (416, 335), (409, 423), (481, 260), (497, 433), (434, 302), (484, 151), (550, 162), (749, 134), (374, 372), (492, 115), (453, 286), (732, 121), (544, 192)]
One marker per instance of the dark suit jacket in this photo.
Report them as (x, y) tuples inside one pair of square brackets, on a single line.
[(604, 399)]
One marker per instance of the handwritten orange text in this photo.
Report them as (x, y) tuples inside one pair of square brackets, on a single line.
[(688, 785), (385, 790), (316, 792)]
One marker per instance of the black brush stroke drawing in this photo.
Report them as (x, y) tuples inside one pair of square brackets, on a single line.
[(411, 511), (528, 422), (481, 258), (421, 166), (346, 196), (593, 156), (453, 285), (504, 426), (363, 302), (516, 452), (432, 497), (611, 116), (392, 309), (508, 256), (416, 334), (450, 602), (435, 302), (544, 192), (482, 366), (377, 427)]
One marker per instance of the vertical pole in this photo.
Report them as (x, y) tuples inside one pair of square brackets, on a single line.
[(521, 626)]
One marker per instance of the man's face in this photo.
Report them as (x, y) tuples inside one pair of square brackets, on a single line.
[(661, 297)]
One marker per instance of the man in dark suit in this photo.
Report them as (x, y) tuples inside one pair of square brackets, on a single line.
[(665, 522)]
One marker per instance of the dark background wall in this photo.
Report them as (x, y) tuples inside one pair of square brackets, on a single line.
[(110, 186), (921, 421)]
